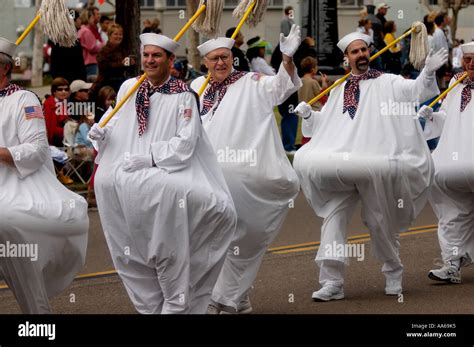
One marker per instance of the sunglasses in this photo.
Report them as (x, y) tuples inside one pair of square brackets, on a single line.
[(65, 89), (84, 90)]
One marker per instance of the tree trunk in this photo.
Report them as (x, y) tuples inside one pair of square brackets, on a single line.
[(193, 37), (37, 64), (454, 22), (444, 5), (128, 16)]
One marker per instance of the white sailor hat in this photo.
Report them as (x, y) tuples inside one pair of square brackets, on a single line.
[(349, 38), (468, 48), (382, 5), (160, 41), (7, 47), (220, 42)]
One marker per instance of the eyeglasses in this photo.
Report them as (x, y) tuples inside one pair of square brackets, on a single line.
[(223, 57), (84, 90), (64, 89), (467, 60)]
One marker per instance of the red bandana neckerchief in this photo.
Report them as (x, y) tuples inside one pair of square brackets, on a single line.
[(352, 90), (466, 94), (146, 90), (220, 88), (9, 90)]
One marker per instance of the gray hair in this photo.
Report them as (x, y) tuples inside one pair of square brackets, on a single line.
[(7, 60)]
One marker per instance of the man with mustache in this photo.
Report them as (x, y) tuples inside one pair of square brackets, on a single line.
[(365, 149), (167, 214), (452, 194)]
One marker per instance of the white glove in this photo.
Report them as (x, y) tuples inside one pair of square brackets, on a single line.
[(290, 44), (435, 60), (138, 162), (96, 133), (425, 112), (303, 110)]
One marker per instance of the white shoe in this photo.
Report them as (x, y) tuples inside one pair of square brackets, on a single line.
[(213, 309), (447, 273), (393, 286), (393, 282), (245, 307), (329, 292)]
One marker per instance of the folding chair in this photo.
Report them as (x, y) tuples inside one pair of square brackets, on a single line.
[(76, 160)]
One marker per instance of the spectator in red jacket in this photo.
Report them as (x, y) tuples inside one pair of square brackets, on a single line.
[(55, 110)]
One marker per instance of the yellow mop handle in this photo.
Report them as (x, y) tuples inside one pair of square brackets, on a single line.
[(120, 104), (104, 122), (236, 31), (372, 58), (28, 29), (443, 94)]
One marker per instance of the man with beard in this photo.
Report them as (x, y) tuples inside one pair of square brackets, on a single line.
[(362, 149), (452, 194)]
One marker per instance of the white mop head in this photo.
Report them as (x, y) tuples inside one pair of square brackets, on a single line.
[(208, 23), (257, 13), (57, 23), (418, 45)]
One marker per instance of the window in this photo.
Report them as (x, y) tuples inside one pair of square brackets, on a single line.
[(351, 3), (175, 3), (147, 3), (234, 3)]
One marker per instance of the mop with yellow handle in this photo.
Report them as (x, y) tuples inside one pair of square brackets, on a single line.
[(251, 11), (418, 53), (56, 23), (208, 6), (443, 94)]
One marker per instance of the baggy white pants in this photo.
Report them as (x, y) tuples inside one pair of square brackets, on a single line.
[(452, 199), (253, 235), (334, 229)]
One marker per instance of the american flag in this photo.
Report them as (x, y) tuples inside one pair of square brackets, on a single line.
[(187, 113), (33, 112)]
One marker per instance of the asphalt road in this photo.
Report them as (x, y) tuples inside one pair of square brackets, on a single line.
[(288, 275)]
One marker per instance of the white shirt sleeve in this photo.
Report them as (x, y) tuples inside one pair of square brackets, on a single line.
[(308, 126), (276, 89), (434, 126), (174, 155), (33, 150), (423, 88)]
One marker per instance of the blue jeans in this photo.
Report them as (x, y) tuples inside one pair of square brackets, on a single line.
[(91, 72), (289, 124)]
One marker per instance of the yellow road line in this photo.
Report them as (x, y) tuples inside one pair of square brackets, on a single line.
[(302, 247), (315, 245), (96, 274)]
